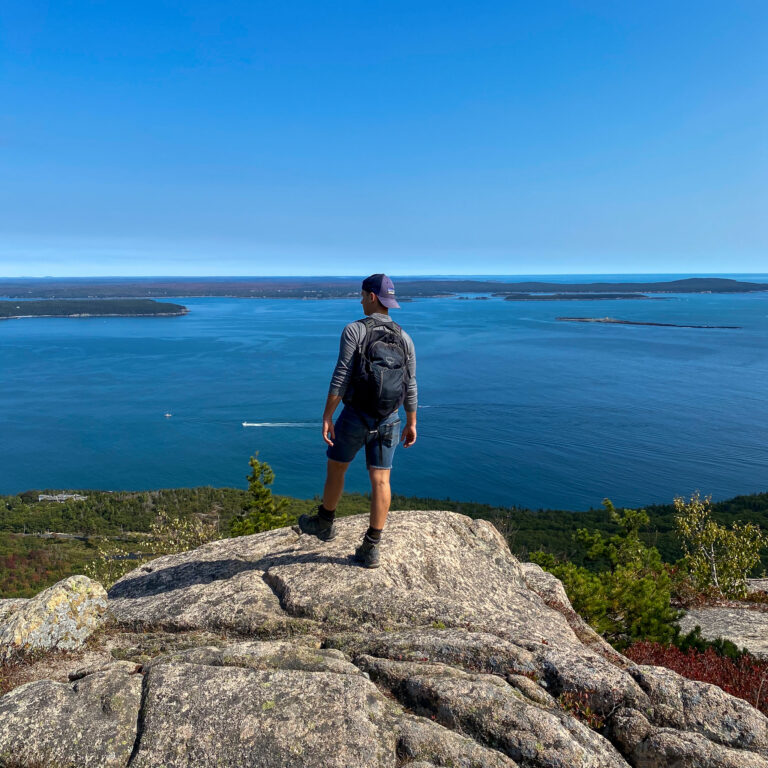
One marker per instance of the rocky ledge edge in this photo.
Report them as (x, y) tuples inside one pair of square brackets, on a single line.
[(277, 650)]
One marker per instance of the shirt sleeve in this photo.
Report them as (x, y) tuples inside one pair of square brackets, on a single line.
[(342, 373), (412, 395)]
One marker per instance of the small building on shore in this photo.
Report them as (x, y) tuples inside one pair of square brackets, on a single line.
[(61, 497)]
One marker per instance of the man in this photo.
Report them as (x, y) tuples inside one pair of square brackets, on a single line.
[(374, 375)]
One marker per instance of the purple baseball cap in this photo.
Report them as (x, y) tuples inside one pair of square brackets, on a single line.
[(384, 289)]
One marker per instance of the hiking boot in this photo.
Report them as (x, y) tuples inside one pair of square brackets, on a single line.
[(314, 525), (368, 553)]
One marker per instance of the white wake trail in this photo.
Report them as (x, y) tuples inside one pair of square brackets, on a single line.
[(279, 424)]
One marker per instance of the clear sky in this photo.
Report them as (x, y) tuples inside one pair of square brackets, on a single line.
[(249, 138)]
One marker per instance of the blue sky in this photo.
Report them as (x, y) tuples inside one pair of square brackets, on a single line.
[(252, 138)]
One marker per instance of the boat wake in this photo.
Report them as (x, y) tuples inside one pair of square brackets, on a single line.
[(279, 424)]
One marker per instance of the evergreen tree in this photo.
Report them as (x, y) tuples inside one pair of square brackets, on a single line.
[(629, 599), (263, 511)]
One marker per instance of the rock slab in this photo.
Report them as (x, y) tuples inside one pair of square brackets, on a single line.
[(90, 723), (745, 626)]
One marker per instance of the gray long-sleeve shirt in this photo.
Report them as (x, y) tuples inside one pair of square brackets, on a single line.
[(351, 337)]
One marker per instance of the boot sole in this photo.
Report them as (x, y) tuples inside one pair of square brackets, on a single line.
[(362, 562), (316, 534)]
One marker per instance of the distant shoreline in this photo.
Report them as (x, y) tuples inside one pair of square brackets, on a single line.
[(342, 288), (614, 321), (105, 314)]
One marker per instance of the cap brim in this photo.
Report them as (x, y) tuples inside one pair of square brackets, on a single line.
[(388, 302)]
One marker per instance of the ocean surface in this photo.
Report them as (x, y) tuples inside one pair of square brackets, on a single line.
[(515, 407)]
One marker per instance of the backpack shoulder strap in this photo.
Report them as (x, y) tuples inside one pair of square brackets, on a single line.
[(368, 324)]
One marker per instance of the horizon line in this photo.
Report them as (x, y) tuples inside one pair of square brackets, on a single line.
[(355, 277)]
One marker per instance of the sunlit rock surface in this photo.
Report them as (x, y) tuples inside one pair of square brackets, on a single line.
[(452, 653)]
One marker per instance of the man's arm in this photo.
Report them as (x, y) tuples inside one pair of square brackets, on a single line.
[(342, 373), (411, 399), (330, 406)]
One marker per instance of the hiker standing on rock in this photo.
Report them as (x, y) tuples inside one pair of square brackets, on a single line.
[(374, 375)]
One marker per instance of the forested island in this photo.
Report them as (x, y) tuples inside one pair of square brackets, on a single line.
[(90, 308), (569, 296), (344, 287), (614, 321)]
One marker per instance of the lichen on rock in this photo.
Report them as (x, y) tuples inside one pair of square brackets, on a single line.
[(61, 618)]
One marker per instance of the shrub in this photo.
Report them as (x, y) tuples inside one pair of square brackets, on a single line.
[(169, 535), (577, 704), (744, 676), (630, 598), (721, 646), (718, 558)]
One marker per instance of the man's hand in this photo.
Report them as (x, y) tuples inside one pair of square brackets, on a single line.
[(330, 407), (409, 435), (328, 430)]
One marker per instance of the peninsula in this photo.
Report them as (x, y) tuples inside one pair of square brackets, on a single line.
[(10, 310)]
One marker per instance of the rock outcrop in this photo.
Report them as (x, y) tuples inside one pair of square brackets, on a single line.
[(745, 625), (452, 653), (62, 617), (92, 722)]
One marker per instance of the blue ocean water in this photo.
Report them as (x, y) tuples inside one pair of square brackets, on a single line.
[(516, 407)]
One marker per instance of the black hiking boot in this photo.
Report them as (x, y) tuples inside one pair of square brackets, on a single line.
[(315, 525), (368, 553)]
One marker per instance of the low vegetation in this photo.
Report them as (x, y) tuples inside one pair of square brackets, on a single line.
[(741, 675), (629, 597)]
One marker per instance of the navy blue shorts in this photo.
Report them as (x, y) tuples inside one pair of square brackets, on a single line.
[(355, 430)]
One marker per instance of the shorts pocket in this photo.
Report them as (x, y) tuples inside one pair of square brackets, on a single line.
[(390, 433)]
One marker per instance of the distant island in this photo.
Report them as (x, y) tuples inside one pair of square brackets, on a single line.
[(11, 310), (569, 296), (614, 321), (345, 287)]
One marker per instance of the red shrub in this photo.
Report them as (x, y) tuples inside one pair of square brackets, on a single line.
[(745, 677)]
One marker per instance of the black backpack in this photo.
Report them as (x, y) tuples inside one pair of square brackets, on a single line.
[(380, 379)]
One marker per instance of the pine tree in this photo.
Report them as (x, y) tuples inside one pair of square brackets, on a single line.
[(263, 511)]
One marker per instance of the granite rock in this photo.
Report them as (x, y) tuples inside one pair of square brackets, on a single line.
[(90, 723), (744, 625), (278, 650), (9, 606), (494, 713), (61, 617), (690, 705), (649, 746)]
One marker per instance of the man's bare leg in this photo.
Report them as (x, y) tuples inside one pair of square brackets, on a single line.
[(381, 496), (334, 483)]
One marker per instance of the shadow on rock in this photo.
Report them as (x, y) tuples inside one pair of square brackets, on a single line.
[(154, 582)]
